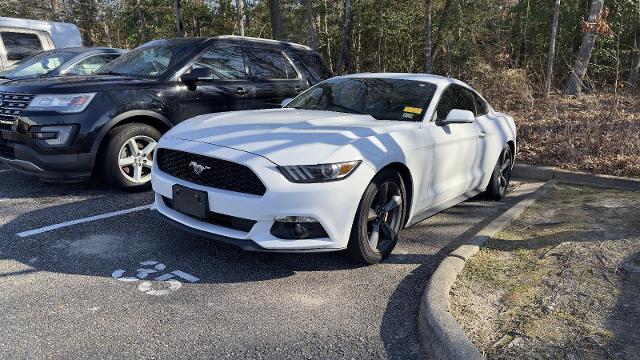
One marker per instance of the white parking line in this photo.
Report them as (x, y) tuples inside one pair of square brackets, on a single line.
[(80, 221)]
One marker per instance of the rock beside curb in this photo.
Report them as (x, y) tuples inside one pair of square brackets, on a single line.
[(544, 173), (440, 333)]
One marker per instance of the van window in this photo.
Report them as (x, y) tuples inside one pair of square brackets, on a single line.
[(20, 45), (270, 65), (89, 65)]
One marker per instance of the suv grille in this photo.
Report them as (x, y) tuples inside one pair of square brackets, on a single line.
[(222, 174), (11, 106)]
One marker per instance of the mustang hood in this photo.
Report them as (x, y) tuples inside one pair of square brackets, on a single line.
[(291, 136)]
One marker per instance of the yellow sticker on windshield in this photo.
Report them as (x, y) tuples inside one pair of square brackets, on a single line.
[(413, 110)]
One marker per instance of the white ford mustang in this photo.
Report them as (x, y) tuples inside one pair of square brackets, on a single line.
[(345, 165)]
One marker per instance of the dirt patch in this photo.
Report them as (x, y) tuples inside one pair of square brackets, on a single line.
[(562, 281)]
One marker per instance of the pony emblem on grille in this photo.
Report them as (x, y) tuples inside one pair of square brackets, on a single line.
[(197, 168)]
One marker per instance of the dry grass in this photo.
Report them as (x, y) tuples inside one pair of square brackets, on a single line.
[(594, 133)]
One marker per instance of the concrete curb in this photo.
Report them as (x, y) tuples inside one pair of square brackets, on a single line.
[(544, 173), (440, 333)]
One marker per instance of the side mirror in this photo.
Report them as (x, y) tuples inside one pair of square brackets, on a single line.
[(195, 75), (286, 102), (457, 116)]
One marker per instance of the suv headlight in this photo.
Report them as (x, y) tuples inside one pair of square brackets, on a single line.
[(319, 173), (64, 103), (52, 135)]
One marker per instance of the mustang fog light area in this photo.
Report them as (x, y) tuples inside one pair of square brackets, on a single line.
[(297, 227), (57, 135), (64, 103), (319, 173)]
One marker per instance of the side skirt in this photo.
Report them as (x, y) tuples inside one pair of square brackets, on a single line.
[(429, 212)]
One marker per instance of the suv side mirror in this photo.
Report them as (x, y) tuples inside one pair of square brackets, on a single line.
[(285, 102), (457, 116), (195, 75)]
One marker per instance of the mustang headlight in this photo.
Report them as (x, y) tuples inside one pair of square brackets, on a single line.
[(64, 103), (318, 173)]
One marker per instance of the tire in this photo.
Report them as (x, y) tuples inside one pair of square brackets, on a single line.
[(497, 188), (115, 169), (371, 216)]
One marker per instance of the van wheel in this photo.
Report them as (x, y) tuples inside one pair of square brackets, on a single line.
[(128, 156), (379, 219)]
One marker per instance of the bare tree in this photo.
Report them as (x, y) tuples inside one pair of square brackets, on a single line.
[(55, 9), (635, 65), (179, 22), (312, 35), (276, 19), (552, 48), (240, 16), (345, 39), (428, 62), (590, 30)]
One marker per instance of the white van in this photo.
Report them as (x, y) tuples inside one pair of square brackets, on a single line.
[(21, 38)]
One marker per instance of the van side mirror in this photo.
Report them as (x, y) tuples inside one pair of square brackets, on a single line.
[(457, 116), (286, 102), (195, 75)]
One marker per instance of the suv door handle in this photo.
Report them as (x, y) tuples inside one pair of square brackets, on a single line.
[(241, 91), (298, 88)]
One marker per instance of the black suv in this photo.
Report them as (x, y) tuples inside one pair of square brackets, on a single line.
[(69, 128)]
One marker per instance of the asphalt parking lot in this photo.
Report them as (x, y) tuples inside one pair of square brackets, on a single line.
[(64, 292)]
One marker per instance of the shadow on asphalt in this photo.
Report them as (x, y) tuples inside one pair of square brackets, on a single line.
[(99, 248)]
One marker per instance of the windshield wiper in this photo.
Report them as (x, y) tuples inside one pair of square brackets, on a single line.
[(348, 109), (112, 73)]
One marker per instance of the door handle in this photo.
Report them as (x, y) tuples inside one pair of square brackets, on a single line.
[(482, 134), (241, 91), (298, 88)]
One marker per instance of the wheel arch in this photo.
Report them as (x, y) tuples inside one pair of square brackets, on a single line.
[(407, 180), (512, 146)]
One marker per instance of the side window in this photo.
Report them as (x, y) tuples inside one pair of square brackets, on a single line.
[(225, 63), (455, 97), (90, 64), (313, 66), (270, 65), (481, 105), (20, 45)]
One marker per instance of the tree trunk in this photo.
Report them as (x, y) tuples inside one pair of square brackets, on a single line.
[(179, 22), (240, 16), (574, 85), (428, 62), (552, 49), (55, 9), (635, 64), (442, 24), (312, 36), (88, 11), (276, 19), (345, 39)]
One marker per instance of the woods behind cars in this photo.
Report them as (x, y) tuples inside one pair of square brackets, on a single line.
[(67, 129)]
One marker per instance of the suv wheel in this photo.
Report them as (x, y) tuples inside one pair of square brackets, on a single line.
[(128, 156)]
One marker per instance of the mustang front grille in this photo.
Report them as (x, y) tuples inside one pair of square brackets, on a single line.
[(208, 171)]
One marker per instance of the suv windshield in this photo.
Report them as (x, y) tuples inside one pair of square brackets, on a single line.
[(150, 61), (384, 99), (37, 65)]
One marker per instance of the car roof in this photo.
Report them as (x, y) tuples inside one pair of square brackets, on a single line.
[(230, 38), (80, 49), (434, 79)]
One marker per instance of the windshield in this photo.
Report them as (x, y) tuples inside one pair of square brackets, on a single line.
[(150, 61), (37, 65), (384, 99)]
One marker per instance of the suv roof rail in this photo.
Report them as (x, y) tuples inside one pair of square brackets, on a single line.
[(268, 41)]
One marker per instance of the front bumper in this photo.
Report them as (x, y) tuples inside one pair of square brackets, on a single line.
[(54, 167), (332, 204)]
